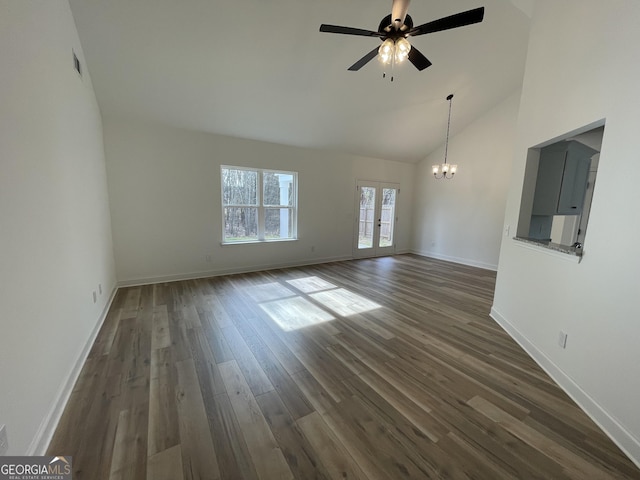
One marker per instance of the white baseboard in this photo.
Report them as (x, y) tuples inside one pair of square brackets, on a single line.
[(627, 442), (47, 428), (228, 271), (463, 261)]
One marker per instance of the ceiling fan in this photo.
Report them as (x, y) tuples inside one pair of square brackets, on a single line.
[(394, 30)]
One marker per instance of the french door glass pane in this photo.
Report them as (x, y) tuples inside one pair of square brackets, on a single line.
[(387, 217), (239, 187), (367, 213), (240, 224), (278, 223), (278, 189)]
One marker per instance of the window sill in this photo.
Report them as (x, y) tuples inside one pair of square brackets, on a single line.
[(258, 242), (565, 252)]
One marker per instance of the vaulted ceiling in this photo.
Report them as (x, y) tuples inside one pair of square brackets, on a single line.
[(260, 69)]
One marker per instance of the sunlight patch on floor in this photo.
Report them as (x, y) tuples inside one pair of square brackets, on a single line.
[(294, 313), (343, 302), (268, 291), (291, 311), (311, 284)]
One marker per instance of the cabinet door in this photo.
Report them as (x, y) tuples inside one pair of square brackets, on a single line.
[(574, 184), (549, 181)]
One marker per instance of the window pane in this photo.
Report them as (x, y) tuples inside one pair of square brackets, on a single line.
[(240, 224), (387, 216), (278, 189), (367, 211), (278, 223), (239, 187)]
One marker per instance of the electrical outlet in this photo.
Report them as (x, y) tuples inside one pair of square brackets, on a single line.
[(506, 230), (100, 288), (562, 339), (4, 441)]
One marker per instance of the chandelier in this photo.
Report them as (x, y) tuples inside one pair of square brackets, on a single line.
[(445, 170)]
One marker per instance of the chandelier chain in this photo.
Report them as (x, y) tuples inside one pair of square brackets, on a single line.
[(446, 144)]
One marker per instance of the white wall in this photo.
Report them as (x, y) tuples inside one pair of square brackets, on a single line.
[(164, 189), (582, 67), (461, 219), (55, 237)]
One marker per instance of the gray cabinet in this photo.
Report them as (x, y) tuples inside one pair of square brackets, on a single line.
[(562, 179)]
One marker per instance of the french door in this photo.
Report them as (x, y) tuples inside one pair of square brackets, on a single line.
[(376, 217)]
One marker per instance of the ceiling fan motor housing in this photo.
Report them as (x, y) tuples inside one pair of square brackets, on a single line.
[(386, 27)]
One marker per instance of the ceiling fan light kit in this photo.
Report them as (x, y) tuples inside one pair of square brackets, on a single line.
[(446, 170), (394, 30), (394, 51)]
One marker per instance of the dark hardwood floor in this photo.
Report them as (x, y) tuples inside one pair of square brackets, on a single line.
[(385, 368)]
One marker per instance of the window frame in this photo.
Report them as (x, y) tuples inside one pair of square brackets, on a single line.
[(260, 206)]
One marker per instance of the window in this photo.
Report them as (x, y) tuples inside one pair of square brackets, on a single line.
[(258, 205)]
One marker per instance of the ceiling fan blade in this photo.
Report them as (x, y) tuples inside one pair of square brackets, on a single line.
[(454, 21), (364, 60), (418, 59), (349, 31)]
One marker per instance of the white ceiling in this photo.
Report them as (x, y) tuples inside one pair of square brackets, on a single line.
[(260, 69)]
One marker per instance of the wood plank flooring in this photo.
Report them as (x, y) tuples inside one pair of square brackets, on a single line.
[(384, 368)]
